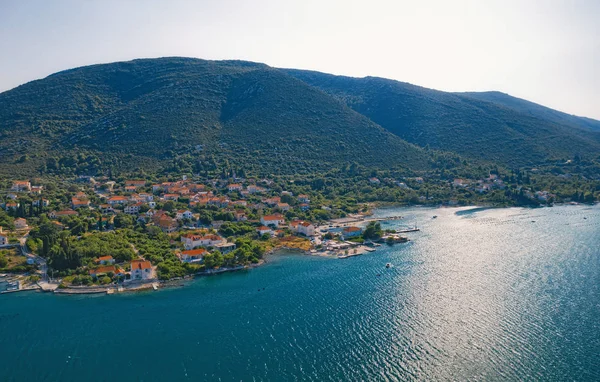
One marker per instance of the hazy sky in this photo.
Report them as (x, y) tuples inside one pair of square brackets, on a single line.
[(544, 51)]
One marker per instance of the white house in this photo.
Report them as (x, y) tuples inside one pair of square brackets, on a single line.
[(21, 185), (302, 227), (133, 209), (105, 260), (262, 230), (193, 256), (274, 220), (351, 232), (21, 223), (191, 241), (3, 239), (183, 214), (141, 270)]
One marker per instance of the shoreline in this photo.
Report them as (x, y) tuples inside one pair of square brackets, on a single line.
[(156, 284)]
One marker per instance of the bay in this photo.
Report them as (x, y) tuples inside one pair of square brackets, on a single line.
[(478, 294)]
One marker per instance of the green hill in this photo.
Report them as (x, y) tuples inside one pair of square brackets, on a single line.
[(464, 124), (535, 110), (148, 112)]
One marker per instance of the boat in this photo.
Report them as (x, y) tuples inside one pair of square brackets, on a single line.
[(388, 265), (434, 217), (407, 230)]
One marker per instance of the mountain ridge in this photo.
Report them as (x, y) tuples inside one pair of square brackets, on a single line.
[(195, 113)]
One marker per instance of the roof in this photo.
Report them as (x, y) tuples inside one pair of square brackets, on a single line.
[(105, 258), (272, 217), (263, 228), (140, 264), (104, 269), (117, 197), (351, 229), (195, 252)]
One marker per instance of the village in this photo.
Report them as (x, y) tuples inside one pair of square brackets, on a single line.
[(203, 224)]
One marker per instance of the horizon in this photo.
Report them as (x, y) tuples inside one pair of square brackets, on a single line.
[(544, 53)]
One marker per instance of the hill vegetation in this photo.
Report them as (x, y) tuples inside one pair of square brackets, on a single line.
[(147, 113), (472, 126)]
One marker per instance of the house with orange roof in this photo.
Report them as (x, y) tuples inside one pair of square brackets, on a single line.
[(105, 270), (135, 183), (58, 214), (302, 227), (21, 223), (79, 203), (173, 197), (263, 229), (141, 270), (193, 255), (105, 260), (303, 198), (234, 187), (351, 232), (274, 220), (117, 199), (11, 205), (191, 241), (21, 185), (283, 207), (166, 223), (183, 214)]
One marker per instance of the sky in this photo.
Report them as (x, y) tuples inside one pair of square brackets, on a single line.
[(546, 51)]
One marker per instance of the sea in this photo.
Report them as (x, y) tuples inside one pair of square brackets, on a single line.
[(478, 294)]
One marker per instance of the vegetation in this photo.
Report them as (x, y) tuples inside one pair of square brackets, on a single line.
[(472, 125)]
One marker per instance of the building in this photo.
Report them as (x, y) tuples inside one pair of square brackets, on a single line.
[(43, 202), (117, 199), (191, 241), (304, 207), (79, 203), (349, 232), (234, 187), (141, 270), (303, 198), (105, 260), (21, 185), (183, 214), (167, 224), (21, 223), (262, 230), (240, 216), (58, 214), (283, 207), (374, 181), (135, 183), (36, 189), (302, 227), (273, 220), (193, 255), (133, 209), (105, 270), (3, 239)]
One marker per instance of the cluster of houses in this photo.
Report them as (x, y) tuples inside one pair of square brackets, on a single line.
[(140, 269), (133, 197)]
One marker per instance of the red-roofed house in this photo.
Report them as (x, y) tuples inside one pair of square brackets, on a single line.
[(274, 220), (141, 270), (193, 255)]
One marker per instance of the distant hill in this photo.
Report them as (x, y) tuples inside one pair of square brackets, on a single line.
[(466, 124), (535, 110), (194, 115), (147, 111)]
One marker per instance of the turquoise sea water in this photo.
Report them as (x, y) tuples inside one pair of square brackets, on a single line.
[(500, 294)]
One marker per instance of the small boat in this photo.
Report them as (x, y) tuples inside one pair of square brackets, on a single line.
[(388, 265), (434, 217)]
